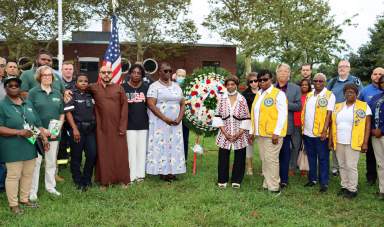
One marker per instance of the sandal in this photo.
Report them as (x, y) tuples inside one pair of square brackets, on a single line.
[(29, 204), (16, 210)]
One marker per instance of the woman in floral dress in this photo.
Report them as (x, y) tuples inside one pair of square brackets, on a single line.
[(165, 155)]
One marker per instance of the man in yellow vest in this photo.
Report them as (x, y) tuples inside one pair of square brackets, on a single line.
[(315, 118), (269, 115), (351, 124)]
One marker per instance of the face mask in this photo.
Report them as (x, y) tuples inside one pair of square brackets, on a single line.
[(180, 80)]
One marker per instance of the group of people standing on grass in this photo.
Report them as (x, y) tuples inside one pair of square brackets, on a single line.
[(317, 115), (102, 122), (127, 131)]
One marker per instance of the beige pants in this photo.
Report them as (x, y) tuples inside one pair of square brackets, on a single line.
[(378, 147), (19, 174), (249, 151), (348, 160), (269, 155)]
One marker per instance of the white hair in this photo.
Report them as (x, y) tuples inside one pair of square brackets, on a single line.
[(320, 75)]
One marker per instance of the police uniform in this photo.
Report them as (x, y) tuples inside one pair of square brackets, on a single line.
[(82, 108)]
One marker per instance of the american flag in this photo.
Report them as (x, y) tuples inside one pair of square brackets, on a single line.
[(112, 56)]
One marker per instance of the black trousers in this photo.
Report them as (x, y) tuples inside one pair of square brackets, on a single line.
[(64, 143), (186, 140), (371, 163), (238, 166), (87, 144)]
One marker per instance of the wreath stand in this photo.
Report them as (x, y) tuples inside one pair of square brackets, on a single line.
[(197, 149)]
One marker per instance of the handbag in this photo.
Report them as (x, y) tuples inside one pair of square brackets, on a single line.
[(39, 145), (302, 160)]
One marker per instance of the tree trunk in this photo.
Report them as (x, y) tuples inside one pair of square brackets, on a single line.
[(247, 64)]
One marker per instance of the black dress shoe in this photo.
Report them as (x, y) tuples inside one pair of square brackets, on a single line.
[(323, 188), (283, 185), (350, 195), (342, 192), (310, 184)]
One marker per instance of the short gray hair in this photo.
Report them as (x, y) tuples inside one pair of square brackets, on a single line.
[(320, 75), (283, 65)]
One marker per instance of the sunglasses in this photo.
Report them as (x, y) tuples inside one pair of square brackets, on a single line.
[(167, 71), (13, 86), (318, 81), (262, 80), (252, 81)]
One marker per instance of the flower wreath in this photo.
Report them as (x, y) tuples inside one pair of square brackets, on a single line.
[(201, 91)]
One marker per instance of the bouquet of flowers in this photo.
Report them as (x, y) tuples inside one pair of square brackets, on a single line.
[(201, 92)]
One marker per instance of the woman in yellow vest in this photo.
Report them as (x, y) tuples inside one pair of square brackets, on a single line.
[(351, 123), (315, 116), (269, 115)]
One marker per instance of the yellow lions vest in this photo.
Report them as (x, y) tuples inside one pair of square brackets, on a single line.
[(268, 115), (358, 128), (320, 112)]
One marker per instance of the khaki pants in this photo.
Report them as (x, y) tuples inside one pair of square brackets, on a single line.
[(378, 147), (19, 174), (269, 155), (348, 160)]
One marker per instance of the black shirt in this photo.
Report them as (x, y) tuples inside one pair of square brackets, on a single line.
[(137, 107), (81, 106), (249, 96), (69, 85)]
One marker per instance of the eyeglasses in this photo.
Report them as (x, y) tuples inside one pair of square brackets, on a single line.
[(318, 81), (253, 81), (343, 66), (105, 72), (13, 86), (262, 80), (47, 75), (167, 71), (2, 65)]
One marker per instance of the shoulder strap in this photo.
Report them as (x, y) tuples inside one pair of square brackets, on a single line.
[(332, 83)]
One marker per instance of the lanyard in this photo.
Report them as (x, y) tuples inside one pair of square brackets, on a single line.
[(21, 114)]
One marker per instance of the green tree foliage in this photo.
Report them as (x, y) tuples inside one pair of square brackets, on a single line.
[(150, 23), (24, 22), (370, 55), (291, 31)]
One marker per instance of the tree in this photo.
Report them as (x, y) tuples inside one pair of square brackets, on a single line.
[(244, 23), (370, 55), (291, 31), (24, 22), (150, 23)]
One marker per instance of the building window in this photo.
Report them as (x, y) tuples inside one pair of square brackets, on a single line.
[(211, 63)]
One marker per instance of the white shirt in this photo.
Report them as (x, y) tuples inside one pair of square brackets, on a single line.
[(282, 110), (310, 109), (344, 124)]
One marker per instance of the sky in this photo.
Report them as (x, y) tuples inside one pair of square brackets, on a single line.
[(355, 36)]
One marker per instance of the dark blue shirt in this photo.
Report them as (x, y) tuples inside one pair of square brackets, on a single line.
[(81, 106), (377, 106)]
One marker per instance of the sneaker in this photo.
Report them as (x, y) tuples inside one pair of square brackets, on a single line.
[(350, 195), (235, 185), (54, 192), (32, 197), (283, 185), (335, 172), (276, 193), (222, 185)]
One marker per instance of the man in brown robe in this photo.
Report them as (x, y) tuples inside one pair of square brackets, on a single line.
[(111, 109)]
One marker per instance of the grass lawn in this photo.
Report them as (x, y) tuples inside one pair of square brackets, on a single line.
[(196, 201)]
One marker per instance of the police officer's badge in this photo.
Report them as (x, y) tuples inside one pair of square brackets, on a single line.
[(268, 102), (323, 102), (360, 113)]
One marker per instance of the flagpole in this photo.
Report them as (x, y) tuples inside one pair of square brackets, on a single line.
[(60, 55)]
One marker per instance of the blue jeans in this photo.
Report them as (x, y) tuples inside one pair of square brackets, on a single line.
[(284, 158), (3, 174), (317, 150)]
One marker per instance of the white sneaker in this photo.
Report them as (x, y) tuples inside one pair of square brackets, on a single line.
[(54, 192), (33, 197), (222, 185)]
